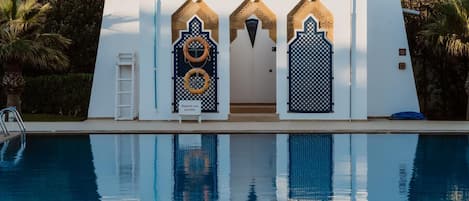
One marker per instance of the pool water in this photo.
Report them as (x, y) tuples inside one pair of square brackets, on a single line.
[(284, 167)]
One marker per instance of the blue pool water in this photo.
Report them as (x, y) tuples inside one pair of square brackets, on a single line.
[(236, 167)]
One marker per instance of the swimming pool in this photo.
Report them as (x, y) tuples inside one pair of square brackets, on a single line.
[(236, 167)]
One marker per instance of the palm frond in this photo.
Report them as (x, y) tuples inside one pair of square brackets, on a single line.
[(54, 40), (22, 40), (448, 28), (5, 8)]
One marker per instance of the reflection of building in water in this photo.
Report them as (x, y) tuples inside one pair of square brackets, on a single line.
[(441, 169), (116, 159), (127, 156), (253, 167), (390, 164), (311, 167), (195, 167)]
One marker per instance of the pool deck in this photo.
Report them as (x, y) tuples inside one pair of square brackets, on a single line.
[(378, 126)]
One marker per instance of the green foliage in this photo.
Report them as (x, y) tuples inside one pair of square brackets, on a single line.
[(448, 28), (79, 20), (67, 95), (439, 76), (23, 40)]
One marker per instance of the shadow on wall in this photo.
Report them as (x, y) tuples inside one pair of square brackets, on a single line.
[(119, 34), (110, 22)]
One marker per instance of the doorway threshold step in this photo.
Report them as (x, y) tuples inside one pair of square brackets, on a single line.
[(253, 108), (254, 117)]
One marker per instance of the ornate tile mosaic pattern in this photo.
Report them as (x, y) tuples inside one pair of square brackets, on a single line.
[(182, 66), (310, 71)]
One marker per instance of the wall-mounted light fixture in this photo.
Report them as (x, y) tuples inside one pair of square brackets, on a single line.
[(402, 52), (402, 66)]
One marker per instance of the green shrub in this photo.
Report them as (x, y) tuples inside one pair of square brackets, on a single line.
[(58, 94), (439, 77)]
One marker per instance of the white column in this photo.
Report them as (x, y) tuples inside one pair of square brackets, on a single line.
[(147, 57), (359, 60)]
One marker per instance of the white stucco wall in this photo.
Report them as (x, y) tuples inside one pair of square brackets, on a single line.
[(119, 33), (390, 90)]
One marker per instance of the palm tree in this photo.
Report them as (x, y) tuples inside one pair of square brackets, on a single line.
[(23, 43), (448, 33)]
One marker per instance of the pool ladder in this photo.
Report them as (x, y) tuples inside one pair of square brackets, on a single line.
[(18, 156), (17, 116)]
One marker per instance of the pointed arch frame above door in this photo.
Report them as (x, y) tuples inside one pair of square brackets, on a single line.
[(260, 10), (190, 9), (306, 8)]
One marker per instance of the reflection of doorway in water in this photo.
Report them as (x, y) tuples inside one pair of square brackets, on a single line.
[(253, 69), (253, 167), (195, 169), (311, 167)]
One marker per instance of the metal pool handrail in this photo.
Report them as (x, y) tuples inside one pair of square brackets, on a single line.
[(18, 118), (19, 154)]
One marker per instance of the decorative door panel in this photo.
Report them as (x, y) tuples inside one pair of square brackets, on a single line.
[(195, 67), (310, 70)]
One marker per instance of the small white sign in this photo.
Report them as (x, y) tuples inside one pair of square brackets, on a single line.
[(190, 107), (190, 141)]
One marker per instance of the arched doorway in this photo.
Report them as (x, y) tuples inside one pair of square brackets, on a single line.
[(253, 58)]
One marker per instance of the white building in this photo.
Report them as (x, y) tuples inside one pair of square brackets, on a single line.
[(312, 59)]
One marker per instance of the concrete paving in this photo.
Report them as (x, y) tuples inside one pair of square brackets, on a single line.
[(108, 126)]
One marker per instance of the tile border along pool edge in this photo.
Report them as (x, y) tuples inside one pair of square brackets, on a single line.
[(380, 126)]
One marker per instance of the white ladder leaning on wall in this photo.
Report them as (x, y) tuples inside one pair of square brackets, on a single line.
[(125, 87)]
